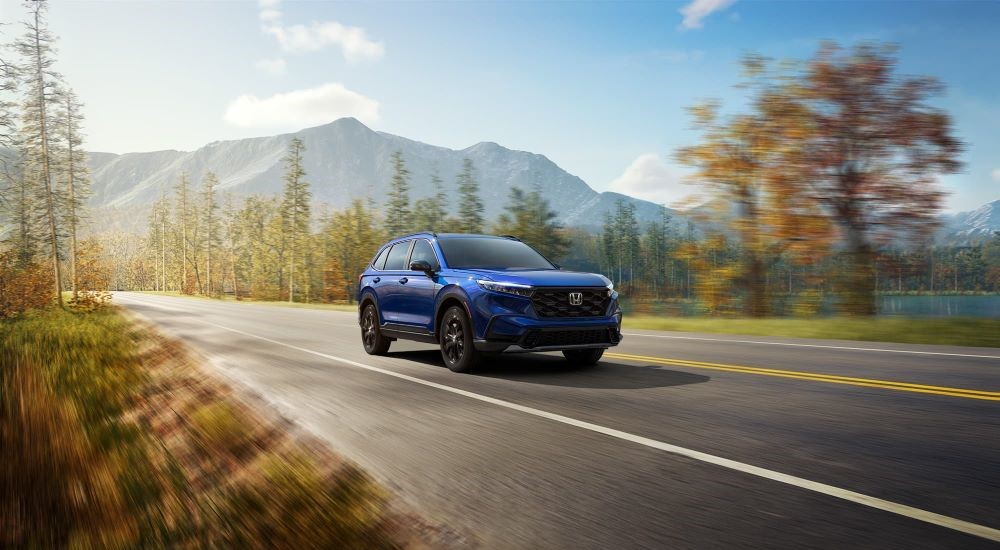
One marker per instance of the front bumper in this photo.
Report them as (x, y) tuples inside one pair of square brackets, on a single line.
[(520, 333)]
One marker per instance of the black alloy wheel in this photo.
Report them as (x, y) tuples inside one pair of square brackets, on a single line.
[(457, 348), (375, 343)]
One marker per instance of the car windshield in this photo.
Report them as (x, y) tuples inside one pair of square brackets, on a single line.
[(490, 253)]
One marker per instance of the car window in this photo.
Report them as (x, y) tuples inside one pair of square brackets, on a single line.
[(396, 259), (422, 250), (490, 253), (379, 262)]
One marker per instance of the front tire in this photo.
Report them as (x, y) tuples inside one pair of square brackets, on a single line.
[(583, 357), (371, 336), (457, 348)]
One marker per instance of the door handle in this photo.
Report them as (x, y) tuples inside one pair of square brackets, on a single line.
[(376, 279), (403, 281)]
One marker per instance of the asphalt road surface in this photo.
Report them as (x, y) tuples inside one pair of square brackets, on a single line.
[(674, 440)]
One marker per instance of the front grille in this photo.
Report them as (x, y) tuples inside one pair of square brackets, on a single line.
[(555, 302), (545, 338)]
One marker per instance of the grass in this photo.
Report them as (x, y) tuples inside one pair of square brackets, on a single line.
[(112, 436), (906, 330), (227, 298)]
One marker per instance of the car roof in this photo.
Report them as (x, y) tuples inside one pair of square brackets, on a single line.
[(433, 235)]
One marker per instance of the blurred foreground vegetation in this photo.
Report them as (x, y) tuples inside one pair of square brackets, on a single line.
[(111, 437)]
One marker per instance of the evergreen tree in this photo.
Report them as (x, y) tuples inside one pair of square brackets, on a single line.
[(430, 213), (529, 218), (38, 142), (397, 215), (295, 211), (76, 176), (470, 206), (183, 222), (209, 225)]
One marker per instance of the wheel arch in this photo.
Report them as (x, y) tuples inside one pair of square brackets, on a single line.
[(450, 297)]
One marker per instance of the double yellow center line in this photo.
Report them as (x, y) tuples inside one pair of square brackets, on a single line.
[(815, 377)]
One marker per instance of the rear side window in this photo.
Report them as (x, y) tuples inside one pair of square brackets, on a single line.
[(422, 251), (396, 259), (379, 262)]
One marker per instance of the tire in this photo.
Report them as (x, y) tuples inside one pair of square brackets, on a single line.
[(583, 357), (371, 336), (457, 348)]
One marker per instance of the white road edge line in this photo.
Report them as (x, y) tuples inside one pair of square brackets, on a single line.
[(790, 344), (974, 529)]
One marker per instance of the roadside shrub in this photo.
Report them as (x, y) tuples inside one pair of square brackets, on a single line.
[(23, 286)]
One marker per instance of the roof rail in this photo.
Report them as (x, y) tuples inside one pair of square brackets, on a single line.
[(509, 237)]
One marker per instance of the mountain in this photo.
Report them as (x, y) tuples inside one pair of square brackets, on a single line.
[(972, 226), (346, 160)]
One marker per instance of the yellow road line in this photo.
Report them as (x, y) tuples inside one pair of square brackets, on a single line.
[(816, 377)]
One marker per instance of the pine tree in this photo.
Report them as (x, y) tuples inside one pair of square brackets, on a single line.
[(76, 174), (210, 225), (36, 49), (397, 214), (24, 237), (529, 218), (430, 212), (183, 213), (470, 206), (295, 210)]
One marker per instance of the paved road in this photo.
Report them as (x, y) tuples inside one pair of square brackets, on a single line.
[(674, 440)]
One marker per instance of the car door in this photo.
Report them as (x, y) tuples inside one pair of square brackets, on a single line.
[(416, 292), (389, 288)]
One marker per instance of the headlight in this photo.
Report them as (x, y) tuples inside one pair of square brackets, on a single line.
[(506, 288)]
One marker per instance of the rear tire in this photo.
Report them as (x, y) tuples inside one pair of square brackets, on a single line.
[(456, 336), (583, 357), (371, 336)]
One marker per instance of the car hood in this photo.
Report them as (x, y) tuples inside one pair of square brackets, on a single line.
[(543, 277)]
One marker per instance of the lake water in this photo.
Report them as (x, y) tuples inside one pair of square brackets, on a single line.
[(940, 306)]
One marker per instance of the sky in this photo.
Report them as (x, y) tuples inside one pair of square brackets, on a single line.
[(598, 87)]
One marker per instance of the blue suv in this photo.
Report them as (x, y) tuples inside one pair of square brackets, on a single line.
[(476, 294)]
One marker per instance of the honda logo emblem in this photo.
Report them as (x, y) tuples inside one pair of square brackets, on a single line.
[(575, 298)]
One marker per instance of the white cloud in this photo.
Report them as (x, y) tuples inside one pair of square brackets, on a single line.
[(269, 15), (996, 175), (699, 9), (649, 178), (300, 108), (353, 41), (272, 65)]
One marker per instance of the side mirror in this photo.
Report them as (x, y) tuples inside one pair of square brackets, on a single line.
[(422, 265)]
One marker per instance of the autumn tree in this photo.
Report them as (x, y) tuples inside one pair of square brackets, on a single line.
[(42, 95), (754, 168), (470, 206), (295, 211), (397, 209), (876, 148)]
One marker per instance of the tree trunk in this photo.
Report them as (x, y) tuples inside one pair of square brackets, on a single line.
[(859, 294)]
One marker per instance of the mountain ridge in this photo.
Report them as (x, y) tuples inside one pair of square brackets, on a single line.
[(346, 160)]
